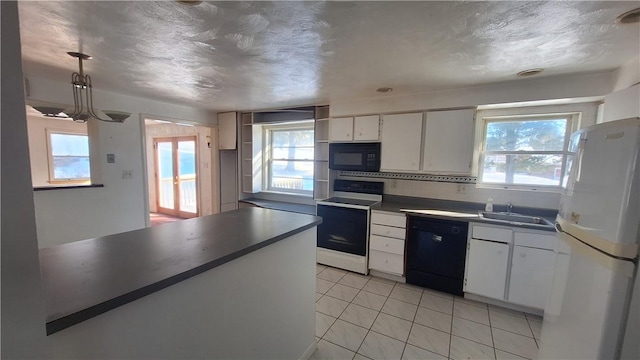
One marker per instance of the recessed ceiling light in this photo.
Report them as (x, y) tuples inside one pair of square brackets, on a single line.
[(630, 17), (530, 72), (189, 2), (384, 89)]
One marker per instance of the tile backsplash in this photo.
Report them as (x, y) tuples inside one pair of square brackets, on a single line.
[(470, 193)]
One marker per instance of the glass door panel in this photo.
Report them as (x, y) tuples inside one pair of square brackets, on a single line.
[(165, 186), (187, 184)]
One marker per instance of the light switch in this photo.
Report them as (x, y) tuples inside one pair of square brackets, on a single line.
[(111, 158), (127, 174)]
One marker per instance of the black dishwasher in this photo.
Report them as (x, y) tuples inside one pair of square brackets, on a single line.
[(436, 251)]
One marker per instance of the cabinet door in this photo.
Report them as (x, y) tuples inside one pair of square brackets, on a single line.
[(448, 143), (486, 270), (227, 135), (401, 141), (341, 129), (531, 276), (366, 128)]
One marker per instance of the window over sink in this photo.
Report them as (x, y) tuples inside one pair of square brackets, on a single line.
[(525, 152)]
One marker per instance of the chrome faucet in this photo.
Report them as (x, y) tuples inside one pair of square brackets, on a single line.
[(509, 207)]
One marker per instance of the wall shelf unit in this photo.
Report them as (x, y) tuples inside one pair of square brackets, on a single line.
[(321, 173), (251, 143)]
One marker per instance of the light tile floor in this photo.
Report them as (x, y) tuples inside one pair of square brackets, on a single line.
[(363, 317)]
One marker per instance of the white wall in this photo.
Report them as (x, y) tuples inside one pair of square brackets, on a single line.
[(501, 93), (38, 144), (23, 315), (121, 205), (203, 134), (622, 104), (627, 75)]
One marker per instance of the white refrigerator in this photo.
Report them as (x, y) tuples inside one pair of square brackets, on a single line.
[(593, 311)]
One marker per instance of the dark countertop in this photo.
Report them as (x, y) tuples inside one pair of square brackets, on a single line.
[(45, 188), (282, 205), (86, 278), (459, 210)]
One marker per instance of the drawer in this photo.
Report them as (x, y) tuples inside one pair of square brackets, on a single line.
[(383, 261), (388, 231), (389, 219), (387, 244), (538, 241), (491, 233)]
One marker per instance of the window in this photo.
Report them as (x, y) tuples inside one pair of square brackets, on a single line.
[(525, 151), (289, 158), (68, 157)]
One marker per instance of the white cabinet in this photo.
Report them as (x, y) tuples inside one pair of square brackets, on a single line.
[(386, 243), (486, 268), (227, 131), (532, 268), (531, 276), (360, 128), (401, 142), (448, 141), (341, 129), (366, 128), (514, 265)]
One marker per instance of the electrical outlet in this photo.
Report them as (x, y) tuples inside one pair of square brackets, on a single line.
[(393, 184), (461, 189), (127, 174)]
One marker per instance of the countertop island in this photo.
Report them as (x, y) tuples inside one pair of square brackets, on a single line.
[(91, 285)]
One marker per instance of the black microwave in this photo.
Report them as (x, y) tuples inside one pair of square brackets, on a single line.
[(354, 156)]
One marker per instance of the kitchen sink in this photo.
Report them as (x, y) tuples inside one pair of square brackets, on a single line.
[(515, 218)]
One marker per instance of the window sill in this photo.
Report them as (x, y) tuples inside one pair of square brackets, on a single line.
[(44, 188)]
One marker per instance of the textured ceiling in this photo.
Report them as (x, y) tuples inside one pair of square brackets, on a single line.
[(252, 55)]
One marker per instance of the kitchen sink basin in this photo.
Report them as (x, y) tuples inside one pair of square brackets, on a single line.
[(515, 218)]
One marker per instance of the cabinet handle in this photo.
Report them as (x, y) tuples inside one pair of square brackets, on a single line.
[(386, 261), (386, 244)]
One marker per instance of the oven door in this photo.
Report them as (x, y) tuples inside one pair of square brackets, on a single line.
[(343, 229)]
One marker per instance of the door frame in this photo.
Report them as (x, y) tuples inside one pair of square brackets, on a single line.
[(176, 211)]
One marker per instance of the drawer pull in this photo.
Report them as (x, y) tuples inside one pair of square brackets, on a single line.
[(386, 261), (386, 244), (437, 238)]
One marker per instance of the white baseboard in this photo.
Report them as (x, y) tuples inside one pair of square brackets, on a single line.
[(504, 304), (387, 276), (306, 355)]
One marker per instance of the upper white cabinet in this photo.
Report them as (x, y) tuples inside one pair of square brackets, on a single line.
[(341, 129), (360, 128), (448, 142), (401, 142), (366, 128), (227, 131)]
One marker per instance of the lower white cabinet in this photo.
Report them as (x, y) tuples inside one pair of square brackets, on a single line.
[(510, 264), (386, 242), (531, 276), (486, 269)]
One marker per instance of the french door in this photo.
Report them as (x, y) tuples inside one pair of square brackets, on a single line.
[(176, 176)]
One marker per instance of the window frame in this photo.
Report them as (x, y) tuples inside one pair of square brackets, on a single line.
[(50, 156), (573, 122), (267, 131)]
